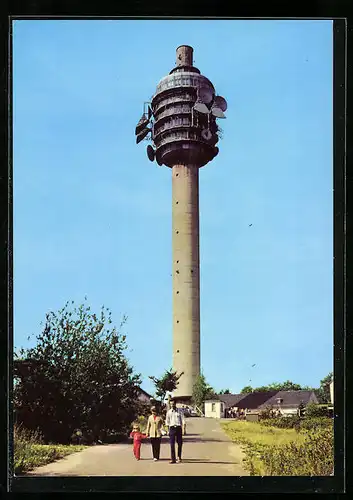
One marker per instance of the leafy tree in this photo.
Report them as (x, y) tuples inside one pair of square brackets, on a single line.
[(224, 391), (263, 388), (275, 386), (167, 383), (202, 391), (288, 385), (247, 389), (76, 377), (323, 392)]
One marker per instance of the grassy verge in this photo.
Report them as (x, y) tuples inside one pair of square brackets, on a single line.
[(255, 439), (283, 452), (30, 452), (29, 456)]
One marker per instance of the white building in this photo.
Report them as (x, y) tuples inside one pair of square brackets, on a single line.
[(214, 408)]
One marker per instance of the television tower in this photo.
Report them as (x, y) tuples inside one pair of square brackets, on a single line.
[(180, 121)]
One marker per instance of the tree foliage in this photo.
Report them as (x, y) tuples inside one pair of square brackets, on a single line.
[(76, 376), (247, 389), (275, 386), (320, 410), (167, 383), (323, 392), (202, 391), (224, 391)]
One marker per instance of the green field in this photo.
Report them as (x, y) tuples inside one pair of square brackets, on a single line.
[(271, 451)]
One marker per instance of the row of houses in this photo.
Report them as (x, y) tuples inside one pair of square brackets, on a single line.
[(286, 401)]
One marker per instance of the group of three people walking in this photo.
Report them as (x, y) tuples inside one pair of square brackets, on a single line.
[(175, 421)]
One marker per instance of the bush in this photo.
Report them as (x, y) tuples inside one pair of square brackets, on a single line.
[(267, 413), (142, 422), (23, 435), (314, 457), (316, 423), (282, 422), (315, 410), (298, 423)]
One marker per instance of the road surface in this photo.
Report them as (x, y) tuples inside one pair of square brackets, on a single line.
[(207, 451)]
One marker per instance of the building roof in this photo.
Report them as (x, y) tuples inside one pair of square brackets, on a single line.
[(230, 399), (254, 400), (292, 398), (144, 392), (249, 400)]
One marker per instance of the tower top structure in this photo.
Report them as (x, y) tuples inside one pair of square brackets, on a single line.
[(181, 118)]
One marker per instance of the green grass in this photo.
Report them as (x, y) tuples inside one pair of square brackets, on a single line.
[(30, 452), (276, 451), (255, 439), (253, 432)]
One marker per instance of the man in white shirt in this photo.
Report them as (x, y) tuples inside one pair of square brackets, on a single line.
[(176, 424)]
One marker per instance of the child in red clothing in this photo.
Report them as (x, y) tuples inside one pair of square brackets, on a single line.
[(137, 436)]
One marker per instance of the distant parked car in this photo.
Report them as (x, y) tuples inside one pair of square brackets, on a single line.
[(185, 411), (193, 412)]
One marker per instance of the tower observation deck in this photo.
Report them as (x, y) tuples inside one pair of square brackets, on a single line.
[(181, 123)]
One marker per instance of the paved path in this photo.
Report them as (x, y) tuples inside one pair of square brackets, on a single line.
[(207, 451)]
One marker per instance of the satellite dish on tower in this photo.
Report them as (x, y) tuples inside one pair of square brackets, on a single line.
[(217, 112), (220, 102), (151, 153), (142, 123), (142, 135), (205, 95), (201, 107), (219, 105), (206, 134)]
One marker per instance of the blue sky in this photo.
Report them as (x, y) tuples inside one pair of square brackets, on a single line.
[(92, 215)]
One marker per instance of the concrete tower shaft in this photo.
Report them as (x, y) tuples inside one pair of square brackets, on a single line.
[(186, 276)]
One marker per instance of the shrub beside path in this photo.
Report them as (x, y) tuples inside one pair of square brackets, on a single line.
[(207, 451)]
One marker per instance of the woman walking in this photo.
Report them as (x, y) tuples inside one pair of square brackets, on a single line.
[(154, 431)]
